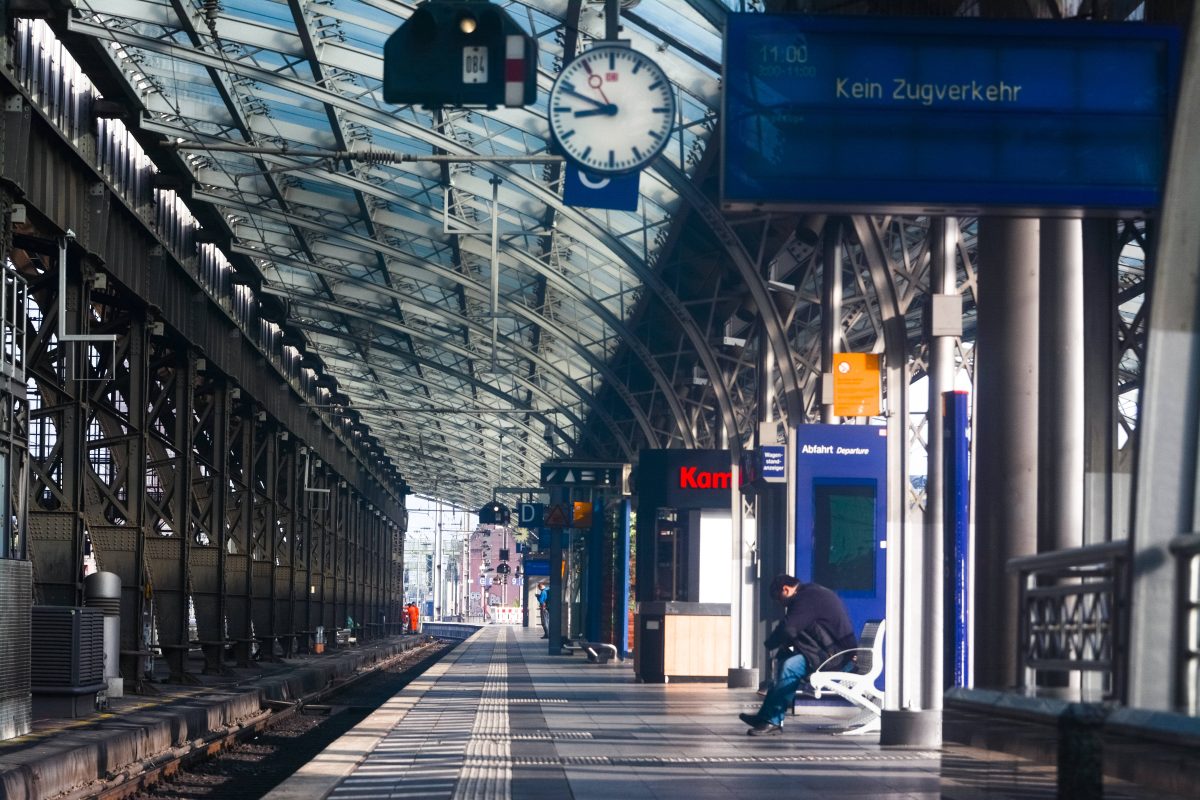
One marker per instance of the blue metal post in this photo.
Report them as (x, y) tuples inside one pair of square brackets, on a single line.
[(957, 509), (621, 577), (596, 569)]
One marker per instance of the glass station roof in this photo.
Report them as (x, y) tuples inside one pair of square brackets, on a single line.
[(386, 263)]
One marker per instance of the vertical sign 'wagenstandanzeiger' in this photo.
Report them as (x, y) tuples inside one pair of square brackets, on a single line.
[(945, 115)]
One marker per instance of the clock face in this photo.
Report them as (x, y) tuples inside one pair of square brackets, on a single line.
[(611, 110)]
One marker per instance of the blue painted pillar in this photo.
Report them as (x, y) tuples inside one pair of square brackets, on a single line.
[(596, 569), (621, 577)]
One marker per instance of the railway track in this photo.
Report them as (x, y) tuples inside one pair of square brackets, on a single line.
[(246, 763)]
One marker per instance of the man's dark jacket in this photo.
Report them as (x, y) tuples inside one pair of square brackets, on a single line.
[(816, 625)]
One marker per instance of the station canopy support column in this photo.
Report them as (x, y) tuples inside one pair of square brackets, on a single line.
[(1006, 436)]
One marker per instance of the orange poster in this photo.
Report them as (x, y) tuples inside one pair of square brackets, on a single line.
[(856, 385)]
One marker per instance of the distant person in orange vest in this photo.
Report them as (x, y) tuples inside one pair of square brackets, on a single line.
[(414, 618)]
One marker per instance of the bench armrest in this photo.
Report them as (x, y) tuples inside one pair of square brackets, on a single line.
[(840, 654)]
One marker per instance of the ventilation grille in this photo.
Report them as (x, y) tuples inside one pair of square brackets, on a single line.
[(16, 592), (68, 646)]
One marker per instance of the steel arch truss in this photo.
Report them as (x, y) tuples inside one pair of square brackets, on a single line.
[(189, 492)]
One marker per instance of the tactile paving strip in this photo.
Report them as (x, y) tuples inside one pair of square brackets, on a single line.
[(487, 767), (652, 761), (550, 735), (541, 701)]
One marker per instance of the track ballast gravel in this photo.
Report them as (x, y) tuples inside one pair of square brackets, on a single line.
[(250, 769)]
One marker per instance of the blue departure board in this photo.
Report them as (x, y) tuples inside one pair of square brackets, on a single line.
[(947, 115)]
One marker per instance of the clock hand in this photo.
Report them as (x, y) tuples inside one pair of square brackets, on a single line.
[(591, 100), (596, 82), (609, 110)]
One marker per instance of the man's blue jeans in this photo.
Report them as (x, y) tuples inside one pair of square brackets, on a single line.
[(790, 673)]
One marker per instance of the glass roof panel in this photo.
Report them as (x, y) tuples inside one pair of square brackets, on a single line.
[(384, 255)]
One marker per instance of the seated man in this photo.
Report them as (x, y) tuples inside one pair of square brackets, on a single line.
[(814, 627)]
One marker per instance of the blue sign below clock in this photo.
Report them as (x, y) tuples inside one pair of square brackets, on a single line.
[(582, 189)]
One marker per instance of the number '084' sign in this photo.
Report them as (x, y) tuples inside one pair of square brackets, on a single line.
[(475, 65)]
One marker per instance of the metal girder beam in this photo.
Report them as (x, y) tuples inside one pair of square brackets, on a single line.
[(537, 266), (713, 11), (466, 378), (747, 270), (463, 353), (480, 292)]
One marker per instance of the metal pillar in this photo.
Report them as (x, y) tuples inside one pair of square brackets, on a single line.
[(306, 620), (558, 496), (210, 438), (1060, 386), (168, 500), (336, 617), (57, 423), (114, 466), (594, 577), (904, 722), (742, 673), (1005, 436), (621, 576), (943, 244), (831, 310), (238, 608), (439, 568), (327, 590), (771, 517), (264, 555), (288, 577)]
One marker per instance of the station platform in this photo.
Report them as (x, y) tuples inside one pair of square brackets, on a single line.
[(499, 718)]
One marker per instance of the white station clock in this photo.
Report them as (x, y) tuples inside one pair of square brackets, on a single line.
[(611, 110)]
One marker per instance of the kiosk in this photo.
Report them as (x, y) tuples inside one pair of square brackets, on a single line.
[(684, 538)]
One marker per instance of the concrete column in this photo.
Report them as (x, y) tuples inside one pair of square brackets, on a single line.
[(1166, 496), (1060, 386), (1005, 437)]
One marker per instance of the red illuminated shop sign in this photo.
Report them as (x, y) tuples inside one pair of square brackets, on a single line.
[(696, 478)]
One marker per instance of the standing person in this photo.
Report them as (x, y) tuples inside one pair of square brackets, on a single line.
[(543, 599), (414, 617), (815, 627)]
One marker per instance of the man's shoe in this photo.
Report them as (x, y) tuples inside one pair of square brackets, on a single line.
[(753, 720), (765, 729)]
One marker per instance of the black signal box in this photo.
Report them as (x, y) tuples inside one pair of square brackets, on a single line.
[(460, 53)]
